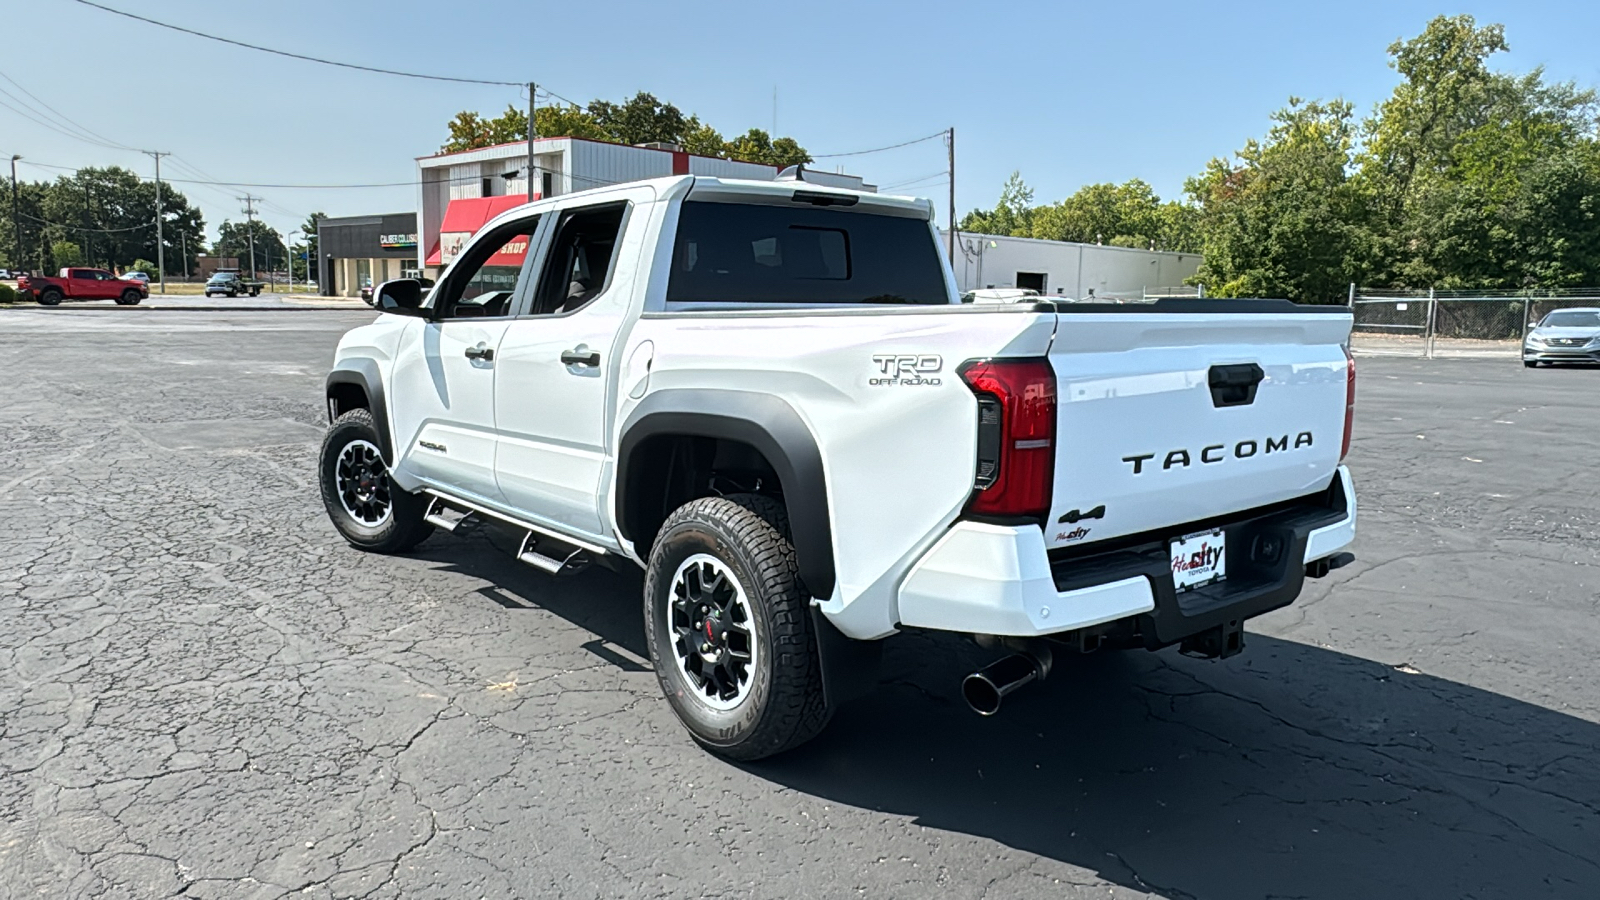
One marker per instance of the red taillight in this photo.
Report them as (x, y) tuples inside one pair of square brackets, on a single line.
[(1349, 402), (1016, 436)]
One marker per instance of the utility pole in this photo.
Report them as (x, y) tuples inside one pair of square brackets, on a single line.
[(16, 218), (183, 250), (533, 132), (250, 229), (952, 143), (161, 257)]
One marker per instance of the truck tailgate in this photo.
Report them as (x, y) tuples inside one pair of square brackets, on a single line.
[(1159, 425)]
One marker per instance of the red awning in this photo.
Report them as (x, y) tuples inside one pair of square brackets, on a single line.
[(463, 218)]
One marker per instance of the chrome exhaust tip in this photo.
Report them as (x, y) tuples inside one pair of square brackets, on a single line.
[(986, 688)]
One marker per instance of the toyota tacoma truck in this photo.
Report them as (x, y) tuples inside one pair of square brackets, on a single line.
[(769, 396), (81, 284)]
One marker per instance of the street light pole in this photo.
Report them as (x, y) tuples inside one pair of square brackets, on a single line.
[(16, 218), (289, 241)]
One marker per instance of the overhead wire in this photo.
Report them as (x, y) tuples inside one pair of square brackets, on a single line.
[(70, 227), (937, 134), (91, 135), (299, 56)]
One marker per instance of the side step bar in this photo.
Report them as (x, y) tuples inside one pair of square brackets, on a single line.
[(542, 548)]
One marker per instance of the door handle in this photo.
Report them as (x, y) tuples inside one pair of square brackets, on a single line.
[(480, 352), (576, 357)]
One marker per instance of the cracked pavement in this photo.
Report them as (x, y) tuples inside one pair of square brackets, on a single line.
[(205, 692)]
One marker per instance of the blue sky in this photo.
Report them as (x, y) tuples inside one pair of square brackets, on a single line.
[(1067, 93)]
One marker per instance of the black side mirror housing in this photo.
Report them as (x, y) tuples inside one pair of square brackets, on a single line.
[(402, 297)]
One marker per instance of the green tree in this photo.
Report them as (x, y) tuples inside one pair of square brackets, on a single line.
[(704, 140), (1012, 215), (1448, 155), (66, 253), (568, 121), (308, 228), (233, 239), (1286, 220), (641, 119), (110, 213)]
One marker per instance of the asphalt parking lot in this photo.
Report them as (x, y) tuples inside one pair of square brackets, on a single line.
[(203, 691)]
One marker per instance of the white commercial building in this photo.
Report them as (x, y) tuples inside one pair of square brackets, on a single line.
[(458, 192), (1061, 268)]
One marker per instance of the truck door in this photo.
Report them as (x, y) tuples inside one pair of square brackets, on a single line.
[(555, 386), (443, 382)]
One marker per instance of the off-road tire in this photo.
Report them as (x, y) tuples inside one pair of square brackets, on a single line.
[(404, 528), (784, 706), (49, 297), (129, 298)]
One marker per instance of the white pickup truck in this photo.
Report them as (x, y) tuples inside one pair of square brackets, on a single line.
[(769, 396)]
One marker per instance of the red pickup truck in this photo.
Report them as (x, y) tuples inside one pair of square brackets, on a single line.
[(82, 284)]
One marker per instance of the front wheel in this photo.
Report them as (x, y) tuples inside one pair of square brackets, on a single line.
[(371, 511), (729, 628), (129, 298), (1530, 364)]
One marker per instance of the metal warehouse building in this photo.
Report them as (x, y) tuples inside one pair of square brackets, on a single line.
[(1061, 268), (458, 192)]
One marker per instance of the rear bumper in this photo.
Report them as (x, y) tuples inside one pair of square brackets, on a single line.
[(992, 579)]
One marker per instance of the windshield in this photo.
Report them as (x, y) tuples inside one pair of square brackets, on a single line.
[(1572, 318), (750, 253)]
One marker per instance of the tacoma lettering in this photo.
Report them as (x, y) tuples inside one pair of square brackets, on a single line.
[(1182, 458)]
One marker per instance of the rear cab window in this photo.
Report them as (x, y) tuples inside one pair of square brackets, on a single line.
[(750, 254)]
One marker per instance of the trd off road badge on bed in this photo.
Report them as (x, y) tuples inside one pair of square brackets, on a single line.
[(908, 370)]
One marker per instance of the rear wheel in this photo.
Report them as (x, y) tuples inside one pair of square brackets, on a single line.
[(129, 297), (729, 628), (365, 505), (49, 297)]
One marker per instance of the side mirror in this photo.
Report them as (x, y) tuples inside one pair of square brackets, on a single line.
[(1533, 324), (402, 297)]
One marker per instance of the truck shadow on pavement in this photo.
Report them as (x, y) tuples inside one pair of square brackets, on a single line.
[(1288, 771)]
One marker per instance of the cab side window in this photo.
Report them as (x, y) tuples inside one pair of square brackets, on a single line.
[(579, 266), (483, 283)]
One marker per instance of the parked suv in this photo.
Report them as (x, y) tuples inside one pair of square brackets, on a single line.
[(768, 395)]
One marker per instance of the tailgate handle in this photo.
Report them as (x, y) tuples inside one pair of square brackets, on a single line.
[(1235, 385)]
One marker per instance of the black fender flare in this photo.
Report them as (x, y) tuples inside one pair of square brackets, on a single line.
[(771, 426), (364, 374)]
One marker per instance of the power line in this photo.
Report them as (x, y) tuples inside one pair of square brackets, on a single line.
[(937, 134), (60, 116), (38, 118), (66, 227), (299, 56)]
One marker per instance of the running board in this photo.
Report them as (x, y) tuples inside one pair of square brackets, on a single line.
[(563, 558), (441, 514), (542, 548)]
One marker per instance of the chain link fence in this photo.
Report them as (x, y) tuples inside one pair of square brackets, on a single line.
[(1461, 324)]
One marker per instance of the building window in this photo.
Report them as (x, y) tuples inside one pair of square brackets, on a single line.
[(488, 188), (549, 186), (363, 273)]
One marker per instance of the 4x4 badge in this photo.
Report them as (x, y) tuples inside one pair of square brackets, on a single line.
[(1072, 515)]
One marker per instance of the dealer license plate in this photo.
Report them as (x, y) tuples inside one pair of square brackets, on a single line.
[(1199, 559)]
